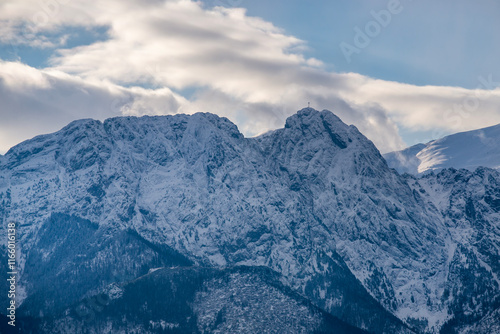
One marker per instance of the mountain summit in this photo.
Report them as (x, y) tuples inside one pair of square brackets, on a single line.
[(181, 223), (468, 150)]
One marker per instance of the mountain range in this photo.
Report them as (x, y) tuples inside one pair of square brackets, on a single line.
[(180, 224), (469, 150)]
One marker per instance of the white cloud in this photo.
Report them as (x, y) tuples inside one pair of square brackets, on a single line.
[(243, 67), (431, 107), (40, 101)]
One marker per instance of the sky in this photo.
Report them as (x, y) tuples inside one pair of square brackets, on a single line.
[(402, 71)]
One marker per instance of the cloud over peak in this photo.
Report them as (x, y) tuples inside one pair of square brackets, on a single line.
[(180, 56)]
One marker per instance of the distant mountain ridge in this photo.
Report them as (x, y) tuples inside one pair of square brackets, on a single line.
[(103, 205), (467, 150)]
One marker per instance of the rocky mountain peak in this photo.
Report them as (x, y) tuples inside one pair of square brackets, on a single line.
[(314, 202), (309, 123)]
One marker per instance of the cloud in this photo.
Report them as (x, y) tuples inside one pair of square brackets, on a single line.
[(241, 67), (41, 101), (437, 108)]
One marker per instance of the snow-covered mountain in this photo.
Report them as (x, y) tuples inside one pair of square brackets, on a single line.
[(467, 150), (101, 205)]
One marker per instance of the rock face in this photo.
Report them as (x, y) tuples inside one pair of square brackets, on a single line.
[(347, 242)]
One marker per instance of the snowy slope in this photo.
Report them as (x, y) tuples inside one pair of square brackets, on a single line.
[(99, 203), (462, 150), (470, 204)]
